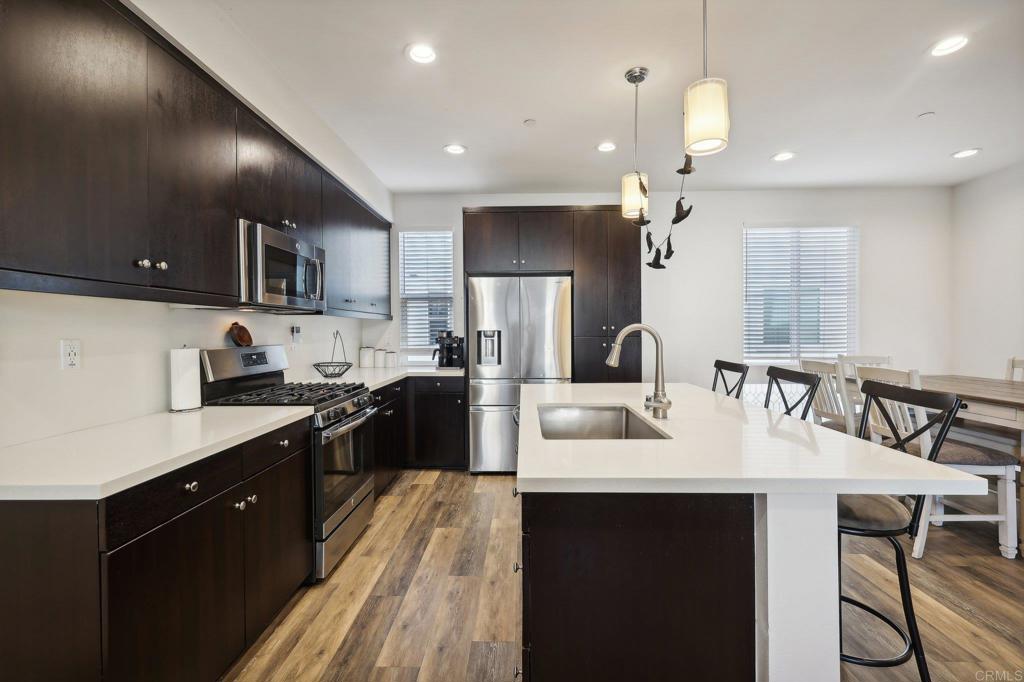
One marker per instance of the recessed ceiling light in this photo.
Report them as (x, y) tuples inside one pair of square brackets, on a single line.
[(606, 147), (455, 148), (948, 45), (421, 53), (965, 153), (783, 156)]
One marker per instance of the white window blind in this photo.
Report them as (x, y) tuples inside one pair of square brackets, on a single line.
[(426, 283), (799, 293)]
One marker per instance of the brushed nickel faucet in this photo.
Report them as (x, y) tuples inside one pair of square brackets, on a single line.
[(658, 402)]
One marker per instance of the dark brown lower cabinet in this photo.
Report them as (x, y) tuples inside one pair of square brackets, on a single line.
[(174, 599), (278, 543), (388, 444), (589, 354), (438, 424), (640, 587)]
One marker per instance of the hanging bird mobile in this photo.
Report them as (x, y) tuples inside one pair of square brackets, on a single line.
[(680, 215)]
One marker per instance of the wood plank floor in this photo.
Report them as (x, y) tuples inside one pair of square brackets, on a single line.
[(428, 593)]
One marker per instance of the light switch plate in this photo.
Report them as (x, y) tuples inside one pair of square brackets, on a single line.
[(70, 353)]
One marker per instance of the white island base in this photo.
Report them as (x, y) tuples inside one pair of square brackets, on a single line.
[(794, 471)]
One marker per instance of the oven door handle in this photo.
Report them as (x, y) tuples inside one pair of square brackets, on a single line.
[(330, 434)]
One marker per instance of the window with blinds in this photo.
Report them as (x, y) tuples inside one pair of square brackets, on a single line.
[(799, 293), (426, 274)]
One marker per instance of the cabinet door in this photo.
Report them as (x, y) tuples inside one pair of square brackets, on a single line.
[(339, 225), (277, 185), (73, 135), (588, 356), (440, 420), (630, 367), (545, 240), (384, 441), (490, 242), (173, 598), (379, 268), (624, 249), (278, 539), (191, 179), (590, 258)]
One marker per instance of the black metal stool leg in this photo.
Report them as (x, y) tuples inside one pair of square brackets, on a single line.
[(908, 610)]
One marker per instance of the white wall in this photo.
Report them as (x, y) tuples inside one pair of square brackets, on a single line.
[(203, 31), (696, 303), (124, 356), (988, 272)]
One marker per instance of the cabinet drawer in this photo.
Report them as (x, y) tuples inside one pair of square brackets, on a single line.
[(1002, 412), (132, 512), (270, 448), (439, 384), (390, 392)]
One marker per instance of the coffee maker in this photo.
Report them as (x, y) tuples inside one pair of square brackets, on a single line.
[(450, 351)]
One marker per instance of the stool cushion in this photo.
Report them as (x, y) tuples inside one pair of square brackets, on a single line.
[(955, 452), (834, 425), (872, 512)]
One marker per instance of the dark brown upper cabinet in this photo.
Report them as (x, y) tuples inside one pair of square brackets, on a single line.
[(590, 273), (277, 185), (490, 242), (624, 250), (73, 135), (358, 246), (545, 240), (191, 180)]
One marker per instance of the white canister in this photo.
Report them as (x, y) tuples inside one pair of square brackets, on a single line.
[(366, 356), (185, 394), (380, 358), (392, 359)]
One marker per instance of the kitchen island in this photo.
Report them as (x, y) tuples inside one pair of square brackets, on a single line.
[(707, 550)]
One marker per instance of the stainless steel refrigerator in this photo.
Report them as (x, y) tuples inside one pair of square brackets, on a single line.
[(519, 331)]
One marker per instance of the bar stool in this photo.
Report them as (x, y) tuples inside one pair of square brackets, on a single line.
[(723, 366), (810, 380), (883, 516)]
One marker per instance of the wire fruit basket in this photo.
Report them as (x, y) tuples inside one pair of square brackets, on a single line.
[(332, 369)]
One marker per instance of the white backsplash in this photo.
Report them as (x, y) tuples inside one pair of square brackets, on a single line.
[(124, 368)]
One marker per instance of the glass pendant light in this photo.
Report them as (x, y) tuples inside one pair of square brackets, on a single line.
[(634, 184), (706, 110)]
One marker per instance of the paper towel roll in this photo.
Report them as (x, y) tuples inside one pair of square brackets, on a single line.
[(380, 358), (366, 356), (185, 379)]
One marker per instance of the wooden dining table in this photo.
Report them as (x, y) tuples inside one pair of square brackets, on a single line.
[(989, 403)]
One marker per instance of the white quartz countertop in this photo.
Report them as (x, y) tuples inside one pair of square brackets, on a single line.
[(97, 462), (374, 377), (717, 444)]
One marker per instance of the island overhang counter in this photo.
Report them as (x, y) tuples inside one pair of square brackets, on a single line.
[(708, 553)]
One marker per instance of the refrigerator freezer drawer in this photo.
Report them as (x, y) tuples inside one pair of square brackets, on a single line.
[(493, 393), (493, 439)]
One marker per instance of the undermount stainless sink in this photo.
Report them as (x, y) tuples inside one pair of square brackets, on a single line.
[(594, 422)]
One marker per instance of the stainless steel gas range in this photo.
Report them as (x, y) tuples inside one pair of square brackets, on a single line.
[(342, 443)]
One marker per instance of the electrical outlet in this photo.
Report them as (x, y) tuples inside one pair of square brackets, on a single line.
[(70, 353)]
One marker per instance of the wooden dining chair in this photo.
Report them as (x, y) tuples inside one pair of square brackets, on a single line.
[(830, 401), (778, 375), (967, 457), (1012, 366), (723, 366), (848, 369)]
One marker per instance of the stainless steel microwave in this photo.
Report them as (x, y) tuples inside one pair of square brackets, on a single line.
[(279, 272)]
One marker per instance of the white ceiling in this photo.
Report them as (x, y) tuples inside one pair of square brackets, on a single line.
[(839, 83)]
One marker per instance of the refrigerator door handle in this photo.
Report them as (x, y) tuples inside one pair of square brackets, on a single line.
[(515, 418)]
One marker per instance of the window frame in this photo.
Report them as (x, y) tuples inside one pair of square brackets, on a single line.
[(415, 354), (853, 237)]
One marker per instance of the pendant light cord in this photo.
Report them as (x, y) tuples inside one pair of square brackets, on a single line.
[(636, 114), (705, 39)]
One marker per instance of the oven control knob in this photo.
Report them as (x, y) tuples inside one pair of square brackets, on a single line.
[(333, 414)]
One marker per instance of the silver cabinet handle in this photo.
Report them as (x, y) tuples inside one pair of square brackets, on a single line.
[(604, 345), (524, 261), (240, 506), (398, 389), (514, 262), (438, 384), (143, 263), (459, 401), (515, 491), (613, 326), (161, 265), (604, 328), (284, 443), (251, 499), (516, 567), (192, 487)]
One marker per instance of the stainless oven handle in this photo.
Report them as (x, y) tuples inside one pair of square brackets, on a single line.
[(329, 435)]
